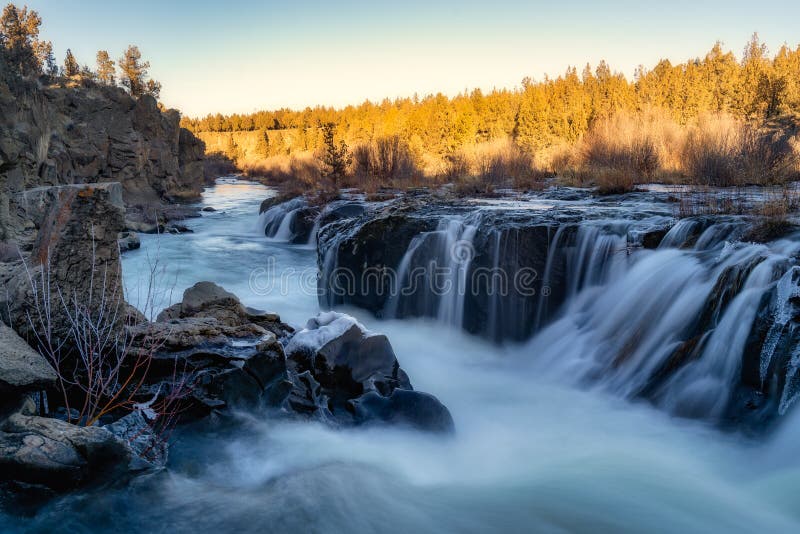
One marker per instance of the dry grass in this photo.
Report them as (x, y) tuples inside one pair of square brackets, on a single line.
[(482, 168), (716, 150), (299, 172)]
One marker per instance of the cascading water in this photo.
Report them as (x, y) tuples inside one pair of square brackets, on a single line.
[(531, 450), (674, 323), (288, 222), (431, 280)]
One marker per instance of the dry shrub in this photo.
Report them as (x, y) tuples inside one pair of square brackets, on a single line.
[(299, 172), (629, 148), (482, 168), (722, 150), (710, 153), (387, 159), (613, 181)]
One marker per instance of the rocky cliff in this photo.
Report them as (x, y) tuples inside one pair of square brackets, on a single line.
[(86, 133)]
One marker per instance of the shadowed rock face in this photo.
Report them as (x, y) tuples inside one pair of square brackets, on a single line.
[(86, 134), (75, 254), (22, 369)]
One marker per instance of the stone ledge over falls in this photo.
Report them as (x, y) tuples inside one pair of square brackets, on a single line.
[(688, 313)]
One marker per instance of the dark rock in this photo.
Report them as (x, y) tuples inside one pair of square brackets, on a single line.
[(128, 241), (56, 454), (403, 407), (342, 372), (22, 369)]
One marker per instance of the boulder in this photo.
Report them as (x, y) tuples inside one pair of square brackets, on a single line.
[(342, 372), (128, 241), (208, 300), (22, 369), (56, 454)]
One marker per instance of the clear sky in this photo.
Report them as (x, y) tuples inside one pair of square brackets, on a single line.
[(241, 56)]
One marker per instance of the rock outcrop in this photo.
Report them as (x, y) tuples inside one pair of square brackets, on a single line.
[(22, 369), (334, 370), (55, 454), (342, 372), (87, 133), (74, 257)]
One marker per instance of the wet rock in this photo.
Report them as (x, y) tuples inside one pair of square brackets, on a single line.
[(56, 454), (350, 246), (403, 407), (148, 450), (129, 241), (342, 372)]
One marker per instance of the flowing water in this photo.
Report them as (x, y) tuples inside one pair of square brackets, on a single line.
[(539, 447)]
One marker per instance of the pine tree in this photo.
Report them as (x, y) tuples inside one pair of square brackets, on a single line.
[(105, 68), (335, 158), (134, 74), (25, 53), (71, 67)]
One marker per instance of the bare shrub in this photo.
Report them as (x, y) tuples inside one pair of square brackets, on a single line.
[(387, 159), (100, 372), (640, 146), (711, 153)]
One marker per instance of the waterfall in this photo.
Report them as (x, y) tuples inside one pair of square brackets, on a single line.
[(432, 277), (293, 221), (699, 323)]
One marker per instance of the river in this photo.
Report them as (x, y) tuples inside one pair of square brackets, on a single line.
[(532, 452)]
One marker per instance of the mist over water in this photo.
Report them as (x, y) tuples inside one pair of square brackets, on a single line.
[(534, 448)]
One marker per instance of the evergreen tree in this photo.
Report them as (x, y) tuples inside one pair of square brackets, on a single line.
[(71, 67), (134, 74), (25, 53), (336, 158), (105, 68)]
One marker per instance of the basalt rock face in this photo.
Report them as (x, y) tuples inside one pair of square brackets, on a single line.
[(89, 133), (74, 257)]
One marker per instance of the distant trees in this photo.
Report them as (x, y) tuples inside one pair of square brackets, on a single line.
[(106, 74), (71, 67), (542, 115)]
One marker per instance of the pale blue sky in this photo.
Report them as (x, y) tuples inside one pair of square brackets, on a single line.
[(240, 56)]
